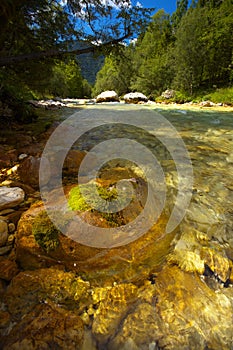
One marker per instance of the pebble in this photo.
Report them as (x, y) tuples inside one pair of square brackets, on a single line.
[(10, 240), (23, 156), (6, 211), (11, 227), (3, 233)]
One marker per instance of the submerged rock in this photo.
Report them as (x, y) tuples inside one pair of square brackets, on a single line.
[(30, 288), (177, 312), (8, 269), (46, 326), (112, 311)]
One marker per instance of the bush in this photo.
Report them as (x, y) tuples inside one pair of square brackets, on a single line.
[(224, 95)]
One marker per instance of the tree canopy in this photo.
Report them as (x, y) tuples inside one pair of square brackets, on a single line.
[(189, 51), (51, 28), (35, 34)]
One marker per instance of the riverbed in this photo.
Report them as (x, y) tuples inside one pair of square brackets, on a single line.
[(167, 285)]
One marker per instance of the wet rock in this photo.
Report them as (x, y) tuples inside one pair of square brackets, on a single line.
[(191, 255), (7, 157), (72, 162), (135, 97), (8, 269), (112, 310), (5, 250), (10, 197), (47, 326), (3, 232), (29, 171), (15, 216), (6, 212), (207, 104), (47, 104), (4, 320), (14, 183), (107, 96), (177, 312), (97, 263), (29, 288), (139, 329)]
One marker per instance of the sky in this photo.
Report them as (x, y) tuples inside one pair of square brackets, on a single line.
[(168, 5)]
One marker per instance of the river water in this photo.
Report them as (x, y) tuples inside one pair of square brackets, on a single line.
[(161, 282)]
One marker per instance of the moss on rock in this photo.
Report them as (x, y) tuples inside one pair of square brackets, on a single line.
[(45, 233), (77, 201)]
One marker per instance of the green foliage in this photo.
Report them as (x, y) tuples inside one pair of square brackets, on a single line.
[(203, 48), (181, 9), (45, 233), (66, 81), (221, 96), (144, 66), (117, 72), (34, 33), (190, 52), (180, 97)]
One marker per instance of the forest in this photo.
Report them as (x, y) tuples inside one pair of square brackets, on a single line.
[(190, 51)]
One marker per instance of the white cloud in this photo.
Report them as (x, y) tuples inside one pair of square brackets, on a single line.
[(138, 4)]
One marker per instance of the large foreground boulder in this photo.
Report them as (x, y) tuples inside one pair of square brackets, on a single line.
[(41, 245), (135, 97), (107, 96)]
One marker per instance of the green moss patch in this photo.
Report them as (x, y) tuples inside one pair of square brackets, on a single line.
[(45, 233)]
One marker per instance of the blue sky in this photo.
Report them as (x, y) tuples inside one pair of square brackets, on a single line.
[(168, 5)]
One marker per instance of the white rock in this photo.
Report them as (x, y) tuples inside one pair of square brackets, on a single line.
[(168, 93), (207, 104), (22, 156), (3, 232), (10, 197), (230, 158), (135, 97), (107, 96)]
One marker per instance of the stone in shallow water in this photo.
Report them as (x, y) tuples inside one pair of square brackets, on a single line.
[(10, 197), (177, 312), (112, 310), (47, 326), (29, 288), (8, 269)]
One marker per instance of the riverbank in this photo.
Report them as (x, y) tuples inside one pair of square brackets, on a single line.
[(75, 103)]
